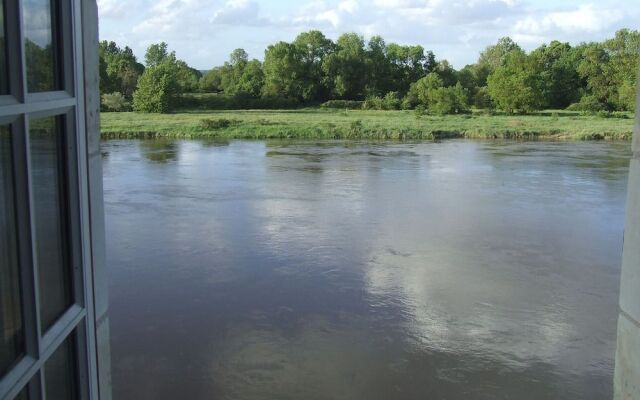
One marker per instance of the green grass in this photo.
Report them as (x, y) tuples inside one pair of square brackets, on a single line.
[(359, 124)]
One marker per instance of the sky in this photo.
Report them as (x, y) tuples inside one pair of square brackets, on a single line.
[(204, 32)]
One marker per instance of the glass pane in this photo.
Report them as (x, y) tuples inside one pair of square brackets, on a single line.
[(40, 45), (47, 169), (60, 373), (11, 330), (4, 78), (24, 394)]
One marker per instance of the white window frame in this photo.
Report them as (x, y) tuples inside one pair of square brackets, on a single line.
[(77, 106)]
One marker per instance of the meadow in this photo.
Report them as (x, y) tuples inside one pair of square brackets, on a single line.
[(315, 123)]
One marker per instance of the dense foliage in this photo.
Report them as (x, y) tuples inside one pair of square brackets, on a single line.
[(313, 69)]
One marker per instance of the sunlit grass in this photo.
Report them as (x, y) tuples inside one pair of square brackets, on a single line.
[(360, 124)]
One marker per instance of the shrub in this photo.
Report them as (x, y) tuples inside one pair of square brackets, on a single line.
[(482, 99), (342, 104), (614, 114), (373, 103), (239, 101), (448, 100), (114, 102), (219, 123), (391, 101), (589, 104)]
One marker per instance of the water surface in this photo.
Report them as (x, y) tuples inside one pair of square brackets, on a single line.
[(454, 270)]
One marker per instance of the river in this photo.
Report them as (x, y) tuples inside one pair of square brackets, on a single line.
[(349, 270)]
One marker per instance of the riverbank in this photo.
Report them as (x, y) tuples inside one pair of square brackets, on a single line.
[(360, 124)]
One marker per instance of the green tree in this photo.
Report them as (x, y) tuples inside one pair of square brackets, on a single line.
[(379, 78), (516, 85), (119, 69), (494, 57), (556, 65), (158, 89), (408, 64), (157, 53), (188, 78), (282, 71), (345, 68), (313, 47), (419, 93), (212, 81)]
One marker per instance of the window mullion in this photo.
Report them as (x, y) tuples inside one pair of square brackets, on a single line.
[(26, 237)]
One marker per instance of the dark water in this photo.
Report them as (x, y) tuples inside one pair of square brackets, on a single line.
[(455, 270)]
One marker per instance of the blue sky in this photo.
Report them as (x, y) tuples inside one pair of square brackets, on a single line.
[(204, 32)]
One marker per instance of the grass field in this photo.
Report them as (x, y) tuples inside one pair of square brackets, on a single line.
[(357, 124)]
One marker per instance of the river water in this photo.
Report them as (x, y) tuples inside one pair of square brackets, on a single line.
[(346, 270)]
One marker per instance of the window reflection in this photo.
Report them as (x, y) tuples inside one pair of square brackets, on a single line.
[(48, 185), (4, 77), (11, 329), (60, 373), (40, 45)]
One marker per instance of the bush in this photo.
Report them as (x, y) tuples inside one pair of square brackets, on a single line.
[(240, 101), (448, 100), (342, 104), (482, 99), (391, 101), (373, 103), (219, 123), (589, 104), (614, 114), (114, 102)]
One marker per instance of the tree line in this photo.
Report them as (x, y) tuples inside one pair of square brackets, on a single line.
[(352, 72)]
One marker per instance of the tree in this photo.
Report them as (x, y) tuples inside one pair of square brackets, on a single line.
[(158, 89), (156, 54), (624, 49), (212, 81), (556, 65), (379, 78), (238, 57), (187, 78), (282, 70), (516, 86), (493, 57), (119, 69), (313, 47), (408, 64), (345, 68), (419, 93)]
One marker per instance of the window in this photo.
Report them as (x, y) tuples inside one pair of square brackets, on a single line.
[(48, 337), (4, 78), (41, 45), (11, 328), (46, 143)]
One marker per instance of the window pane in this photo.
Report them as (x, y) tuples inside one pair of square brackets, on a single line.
[(60, 373), (40, 45), (11, 330), (47, 169), (24, 394), (4, 78)]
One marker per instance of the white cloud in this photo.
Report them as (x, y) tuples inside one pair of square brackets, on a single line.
[(205, 31), (241, 12), (111, 8), (587, 18)]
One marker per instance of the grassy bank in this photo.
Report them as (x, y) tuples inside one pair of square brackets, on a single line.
[(357, 124)]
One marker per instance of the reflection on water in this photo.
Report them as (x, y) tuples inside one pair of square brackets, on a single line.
[(455, 270)]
